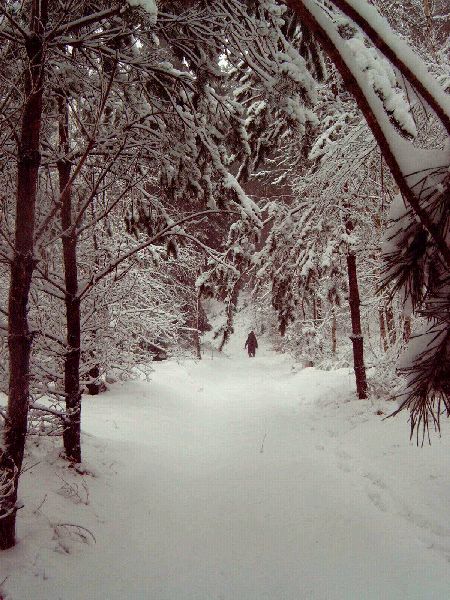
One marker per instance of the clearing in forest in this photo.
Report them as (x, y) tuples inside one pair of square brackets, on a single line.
[(236, 479)]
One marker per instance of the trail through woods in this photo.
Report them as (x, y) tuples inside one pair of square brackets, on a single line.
[(236, 479)]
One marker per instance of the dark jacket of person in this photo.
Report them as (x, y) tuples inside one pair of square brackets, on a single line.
[(251, 342)]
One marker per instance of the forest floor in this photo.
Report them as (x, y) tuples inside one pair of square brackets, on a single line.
[(235, 479)]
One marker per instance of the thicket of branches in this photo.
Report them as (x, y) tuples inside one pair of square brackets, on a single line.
[(137, 144)]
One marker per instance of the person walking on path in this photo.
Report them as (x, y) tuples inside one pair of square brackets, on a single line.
[(251, 344)]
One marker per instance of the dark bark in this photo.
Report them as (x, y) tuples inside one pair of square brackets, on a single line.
[(318, 309), (231, 309), (198, 349), (22, 266), (71, 435), (407, 329), (390, 322), (317, 317), (355, 313), (96, 386), (93, 388), (383, 335), (333, 332)]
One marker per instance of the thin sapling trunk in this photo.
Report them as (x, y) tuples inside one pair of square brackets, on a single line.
[(22, 266), (355, 313), (71, 435)]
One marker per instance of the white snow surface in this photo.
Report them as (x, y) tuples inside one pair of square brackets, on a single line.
[(235, 479)]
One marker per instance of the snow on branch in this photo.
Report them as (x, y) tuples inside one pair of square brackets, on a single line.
[(171, 229), (401, 157), (400, 54), (425, 367), (149, 6), (8, 477)]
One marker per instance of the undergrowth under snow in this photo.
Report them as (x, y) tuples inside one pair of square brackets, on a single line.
[(235, 479)]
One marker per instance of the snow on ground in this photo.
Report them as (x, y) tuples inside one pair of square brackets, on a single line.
[(235, 479)]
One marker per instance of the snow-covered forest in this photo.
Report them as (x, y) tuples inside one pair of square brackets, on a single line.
[(175, 175)]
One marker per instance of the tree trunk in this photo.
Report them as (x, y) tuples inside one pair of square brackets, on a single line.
[(333, 332), (198, 349), (407, 329), (383, 335), (231, 308), (22, 266), (390, 323), (356, 337), (318, 309), (71, 434), (314, 310), (97, 386)]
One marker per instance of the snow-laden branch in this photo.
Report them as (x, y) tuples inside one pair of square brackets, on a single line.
[(401, 157), (76, 172), (47, 409), (170, 229), (400, 54), (8, 478), (91, 19), (25, 33)]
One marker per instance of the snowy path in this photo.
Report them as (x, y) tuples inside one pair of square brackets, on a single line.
[(237, 479)]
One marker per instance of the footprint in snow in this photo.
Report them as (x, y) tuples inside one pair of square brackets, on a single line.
[(425, 524), (343, 454), (344, 467), (379, 483), (377, 501)]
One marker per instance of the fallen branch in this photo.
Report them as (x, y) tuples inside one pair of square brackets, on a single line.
[(52, 411), (77, 527)]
